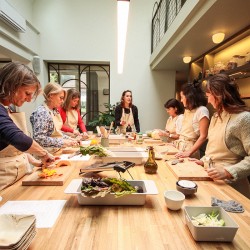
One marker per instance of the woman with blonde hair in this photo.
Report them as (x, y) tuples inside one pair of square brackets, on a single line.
[(70, 114), (47, 122)]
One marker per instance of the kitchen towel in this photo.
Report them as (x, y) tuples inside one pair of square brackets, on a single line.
[(229, 206)]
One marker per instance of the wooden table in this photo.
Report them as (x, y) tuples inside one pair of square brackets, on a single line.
[(151, 226)]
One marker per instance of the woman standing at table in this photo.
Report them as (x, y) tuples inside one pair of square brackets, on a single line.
[(173, 126), (126, 115), (195, 121), (18, 84), (70, 114), (47, 122), (228, 148)]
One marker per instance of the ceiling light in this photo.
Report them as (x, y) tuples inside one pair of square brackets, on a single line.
[(218, 37), (122, 23), (187, 59)]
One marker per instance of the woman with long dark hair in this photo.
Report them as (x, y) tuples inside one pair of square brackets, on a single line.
[(228, 149), (126, 114), (195, 121)]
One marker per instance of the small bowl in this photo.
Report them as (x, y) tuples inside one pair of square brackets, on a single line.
[(186, 187), (174, 199)]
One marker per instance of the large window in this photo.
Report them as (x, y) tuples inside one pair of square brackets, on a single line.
[(92, 81)]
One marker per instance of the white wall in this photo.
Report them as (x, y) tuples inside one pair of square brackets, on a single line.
[(85, 31)]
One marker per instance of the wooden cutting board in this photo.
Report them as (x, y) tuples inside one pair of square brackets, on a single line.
[(188, 170), (34, 180), (166, 149)]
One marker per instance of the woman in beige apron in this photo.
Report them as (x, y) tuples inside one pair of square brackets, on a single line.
[(228, 145), (127, 120), (13, 163), (220, 155), (126, 115), (195, 122), (71, 117), (174, 123), (18, 84), (47, 122)]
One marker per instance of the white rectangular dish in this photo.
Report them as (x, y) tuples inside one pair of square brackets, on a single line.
[(136, 157), (148, 186), (116, 139), (77, 160), (211, 233)]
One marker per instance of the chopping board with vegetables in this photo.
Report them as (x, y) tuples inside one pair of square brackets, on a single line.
[(188, 170), (55, 176)]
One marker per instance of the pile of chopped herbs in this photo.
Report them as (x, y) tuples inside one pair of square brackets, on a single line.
[(103, 186), (94, 150)]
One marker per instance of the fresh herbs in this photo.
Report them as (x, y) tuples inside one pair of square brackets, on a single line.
[(103, 186), (210, 220), (94, 150)]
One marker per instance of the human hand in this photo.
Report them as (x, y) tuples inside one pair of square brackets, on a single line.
[(76, 132), (84, 136), (198, 162), (70, 143), (183, 154), (47, 159), (218, 173), (122, 123)]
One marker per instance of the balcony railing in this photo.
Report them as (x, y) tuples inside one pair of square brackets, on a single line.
[(164, 14)]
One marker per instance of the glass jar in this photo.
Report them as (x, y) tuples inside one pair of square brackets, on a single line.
[(139, 138), (150, 165)]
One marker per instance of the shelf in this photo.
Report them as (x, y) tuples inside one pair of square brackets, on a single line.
[(240, 72)]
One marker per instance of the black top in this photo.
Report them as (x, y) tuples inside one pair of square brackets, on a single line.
[(118, 115), (10, 134)]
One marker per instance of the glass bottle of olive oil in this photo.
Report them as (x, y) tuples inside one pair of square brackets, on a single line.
[(150, 165)]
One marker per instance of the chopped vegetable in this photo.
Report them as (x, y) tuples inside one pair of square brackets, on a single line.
[(102, 186), (208, 220), (48, 173), (94, 150)]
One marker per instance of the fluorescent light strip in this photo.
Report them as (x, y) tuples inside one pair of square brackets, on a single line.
[(122, 23)]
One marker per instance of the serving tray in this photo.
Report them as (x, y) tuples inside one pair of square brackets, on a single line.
[(148, 186)]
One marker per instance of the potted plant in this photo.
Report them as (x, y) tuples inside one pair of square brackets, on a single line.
[(104, 118)]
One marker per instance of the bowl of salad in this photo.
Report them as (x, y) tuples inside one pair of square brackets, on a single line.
[(210, 223)]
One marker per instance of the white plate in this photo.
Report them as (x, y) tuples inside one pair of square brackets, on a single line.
[(187, 184)]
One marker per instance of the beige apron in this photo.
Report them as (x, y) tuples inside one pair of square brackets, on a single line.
[(13, 163), (71, 121), (218, 152), (129, 119), (188, 137), (57, 133), (171, 127)]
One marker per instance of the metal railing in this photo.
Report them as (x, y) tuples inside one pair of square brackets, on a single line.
[(164, 14)]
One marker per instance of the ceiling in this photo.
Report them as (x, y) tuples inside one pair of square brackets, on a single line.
[(228, 16)]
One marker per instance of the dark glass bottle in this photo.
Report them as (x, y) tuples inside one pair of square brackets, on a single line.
[(150, 165)]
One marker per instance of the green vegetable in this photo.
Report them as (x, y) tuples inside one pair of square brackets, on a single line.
[(101, 187), (208, 220), (94, 150)]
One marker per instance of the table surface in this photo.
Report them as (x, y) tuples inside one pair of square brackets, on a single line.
[(151, 226)]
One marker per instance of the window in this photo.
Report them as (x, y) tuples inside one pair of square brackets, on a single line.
[(92, 81)]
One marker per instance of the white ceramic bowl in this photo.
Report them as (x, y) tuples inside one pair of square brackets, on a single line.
[(174, 199)]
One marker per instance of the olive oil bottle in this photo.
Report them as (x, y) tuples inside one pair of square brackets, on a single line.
[(150, 165)]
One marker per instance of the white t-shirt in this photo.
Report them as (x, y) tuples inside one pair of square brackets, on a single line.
[(201, 112)]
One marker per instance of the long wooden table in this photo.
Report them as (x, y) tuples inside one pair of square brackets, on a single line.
[(151, 226)]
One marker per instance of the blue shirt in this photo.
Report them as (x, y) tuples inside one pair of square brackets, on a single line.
[(10, 134)]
